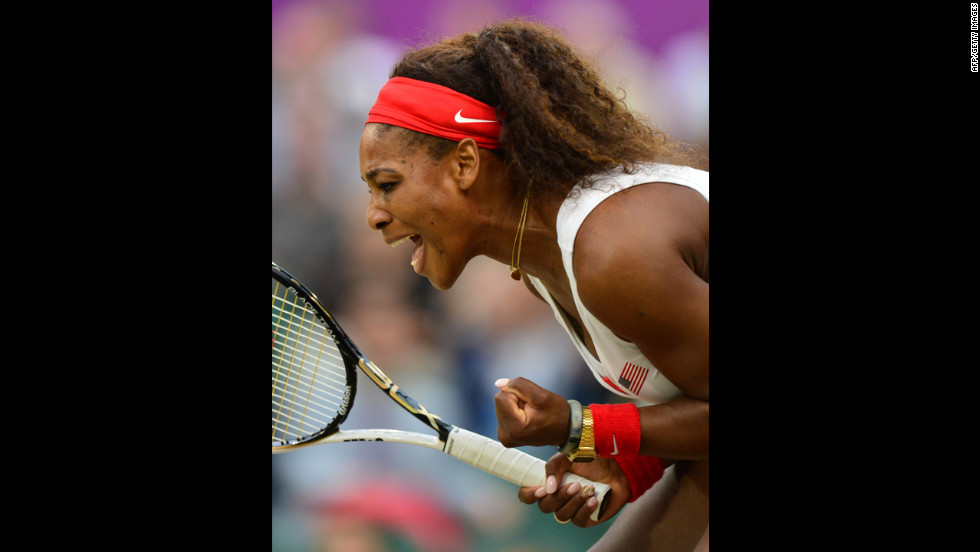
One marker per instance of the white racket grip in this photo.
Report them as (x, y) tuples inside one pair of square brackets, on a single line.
[(512, 465)]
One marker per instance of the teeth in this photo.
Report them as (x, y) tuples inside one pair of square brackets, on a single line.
[(401, 241)]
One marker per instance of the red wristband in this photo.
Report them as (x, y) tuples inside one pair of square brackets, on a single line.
[(641, 473), (616, 430)]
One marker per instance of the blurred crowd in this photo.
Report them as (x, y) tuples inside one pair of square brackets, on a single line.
[(444, 348)]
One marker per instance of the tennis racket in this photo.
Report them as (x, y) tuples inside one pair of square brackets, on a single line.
[(314, 380)]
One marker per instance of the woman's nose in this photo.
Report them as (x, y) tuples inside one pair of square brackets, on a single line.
[(376, 218)]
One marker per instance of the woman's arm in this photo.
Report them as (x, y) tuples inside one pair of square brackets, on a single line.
[(641, 266)]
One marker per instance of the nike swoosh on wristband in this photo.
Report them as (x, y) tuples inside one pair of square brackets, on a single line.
[(615, 448), (460, 119)]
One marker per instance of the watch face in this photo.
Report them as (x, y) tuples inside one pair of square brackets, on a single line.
[(582, 457)]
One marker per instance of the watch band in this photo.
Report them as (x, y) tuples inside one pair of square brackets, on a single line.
[(586, 447), (574, 428)]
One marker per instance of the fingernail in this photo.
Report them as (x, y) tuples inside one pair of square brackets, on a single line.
[(573, 488), (501, 382), (540, 492), (592, 502), (587, 491), (552, 484)]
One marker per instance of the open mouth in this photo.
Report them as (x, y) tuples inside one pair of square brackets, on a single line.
[(417, 253), (396, 243)]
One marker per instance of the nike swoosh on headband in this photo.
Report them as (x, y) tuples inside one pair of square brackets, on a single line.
[(615, 448), (460, 119)]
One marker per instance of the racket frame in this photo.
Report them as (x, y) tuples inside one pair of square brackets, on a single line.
[(352, 357)]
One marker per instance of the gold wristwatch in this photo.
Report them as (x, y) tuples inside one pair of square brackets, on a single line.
[(586, 447)]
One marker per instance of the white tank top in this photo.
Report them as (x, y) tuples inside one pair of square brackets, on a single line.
[(621, 367)]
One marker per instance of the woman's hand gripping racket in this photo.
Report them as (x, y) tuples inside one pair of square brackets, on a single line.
[(314, 379)]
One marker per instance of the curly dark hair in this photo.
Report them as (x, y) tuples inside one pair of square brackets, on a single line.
[(561, 124)]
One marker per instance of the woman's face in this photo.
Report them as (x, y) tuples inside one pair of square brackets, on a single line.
[(416, 203)]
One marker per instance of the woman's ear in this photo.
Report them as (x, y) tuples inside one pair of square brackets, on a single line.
[(466, 163)]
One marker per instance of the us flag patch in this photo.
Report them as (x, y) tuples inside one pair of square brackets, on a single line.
[(632, 377)]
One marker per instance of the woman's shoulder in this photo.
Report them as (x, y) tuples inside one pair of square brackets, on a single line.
[(640, 235), (640, 224)]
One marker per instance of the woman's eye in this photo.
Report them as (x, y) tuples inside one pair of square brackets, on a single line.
[(383, 187)]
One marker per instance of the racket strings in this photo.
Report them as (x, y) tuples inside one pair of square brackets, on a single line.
[(308, 372)]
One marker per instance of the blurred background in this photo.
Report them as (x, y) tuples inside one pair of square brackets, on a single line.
[(444, 348)]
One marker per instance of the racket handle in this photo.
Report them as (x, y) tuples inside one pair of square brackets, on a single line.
[(512, 465)]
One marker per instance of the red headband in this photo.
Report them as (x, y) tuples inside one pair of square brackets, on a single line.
[(437, 110)]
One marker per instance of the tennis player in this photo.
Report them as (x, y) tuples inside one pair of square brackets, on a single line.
[(506, 144)]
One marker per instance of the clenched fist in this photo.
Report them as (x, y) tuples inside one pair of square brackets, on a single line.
[(530, 415)]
